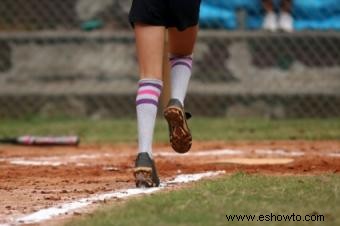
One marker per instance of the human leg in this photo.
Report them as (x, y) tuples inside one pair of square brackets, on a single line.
[(270, 19), (286, 6), (150, 47), (268, 5), (181, 45), (285, 18)]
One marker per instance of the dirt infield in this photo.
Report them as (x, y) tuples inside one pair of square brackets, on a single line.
[(34, 178)]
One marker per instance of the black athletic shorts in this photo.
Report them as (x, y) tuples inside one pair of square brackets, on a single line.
[(169, 13)]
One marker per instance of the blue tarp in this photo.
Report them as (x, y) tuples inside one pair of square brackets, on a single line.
[(308, 14), (217, 17), (235, 4)]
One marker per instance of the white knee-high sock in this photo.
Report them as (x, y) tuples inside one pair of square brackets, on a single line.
[(181, 68), (148, 94)]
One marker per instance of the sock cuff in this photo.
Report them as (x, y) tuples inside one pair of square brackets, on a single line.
[(151, 81), (171, 56), (181, 60)]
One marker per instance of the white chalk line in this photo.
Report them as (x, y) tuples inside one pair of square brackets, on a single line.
[(35, 162), (279, 152), (50, 213), (337, 154), (55, 160)]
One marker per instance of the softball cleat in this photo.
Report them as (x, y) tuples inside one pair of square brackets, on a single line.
[(179, 132), (145, 172)]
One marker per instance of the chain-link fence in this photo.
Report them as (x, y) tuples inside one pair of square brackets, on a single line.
[(77, 58)]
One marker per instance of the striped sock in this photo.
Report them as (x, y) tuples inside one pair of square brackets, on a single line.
[(146, 105), (181, 68)]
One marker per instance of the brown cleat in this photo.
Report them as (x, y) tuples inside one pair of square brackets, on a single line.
[(180, 136), (145, 172)]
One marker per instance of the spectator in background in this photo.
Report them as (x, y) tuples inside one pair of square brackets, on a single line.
[(283, 21)]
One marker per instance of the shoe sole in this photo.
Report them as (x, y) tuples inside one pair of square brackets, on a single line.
[(143, 177), (180, 136)]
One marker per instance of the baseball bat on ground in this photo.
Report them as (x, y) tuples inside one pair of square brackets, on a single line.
[(42, 140)]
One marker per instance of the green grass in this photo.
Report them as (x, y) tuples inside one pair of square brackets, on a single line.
[(208, 203), (124, 130)]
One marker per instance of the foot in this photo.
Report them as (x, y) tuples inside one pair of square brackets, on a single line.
[(270, 22), (145, 171), (180, 136), (286, 22)]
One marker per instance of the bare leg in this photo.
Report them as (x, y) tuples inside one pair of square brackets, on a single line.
[(286, 5), (268, 5), (181, 43), (150, 47)]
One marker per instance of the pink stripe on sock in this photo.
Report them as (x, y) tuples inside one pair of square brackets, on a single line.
[(148, 91)]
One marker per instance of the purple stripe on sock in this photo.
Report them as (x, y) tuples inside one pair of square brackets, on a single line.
[(182, 63), (178, 58), (146, 101), (158, 86)]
